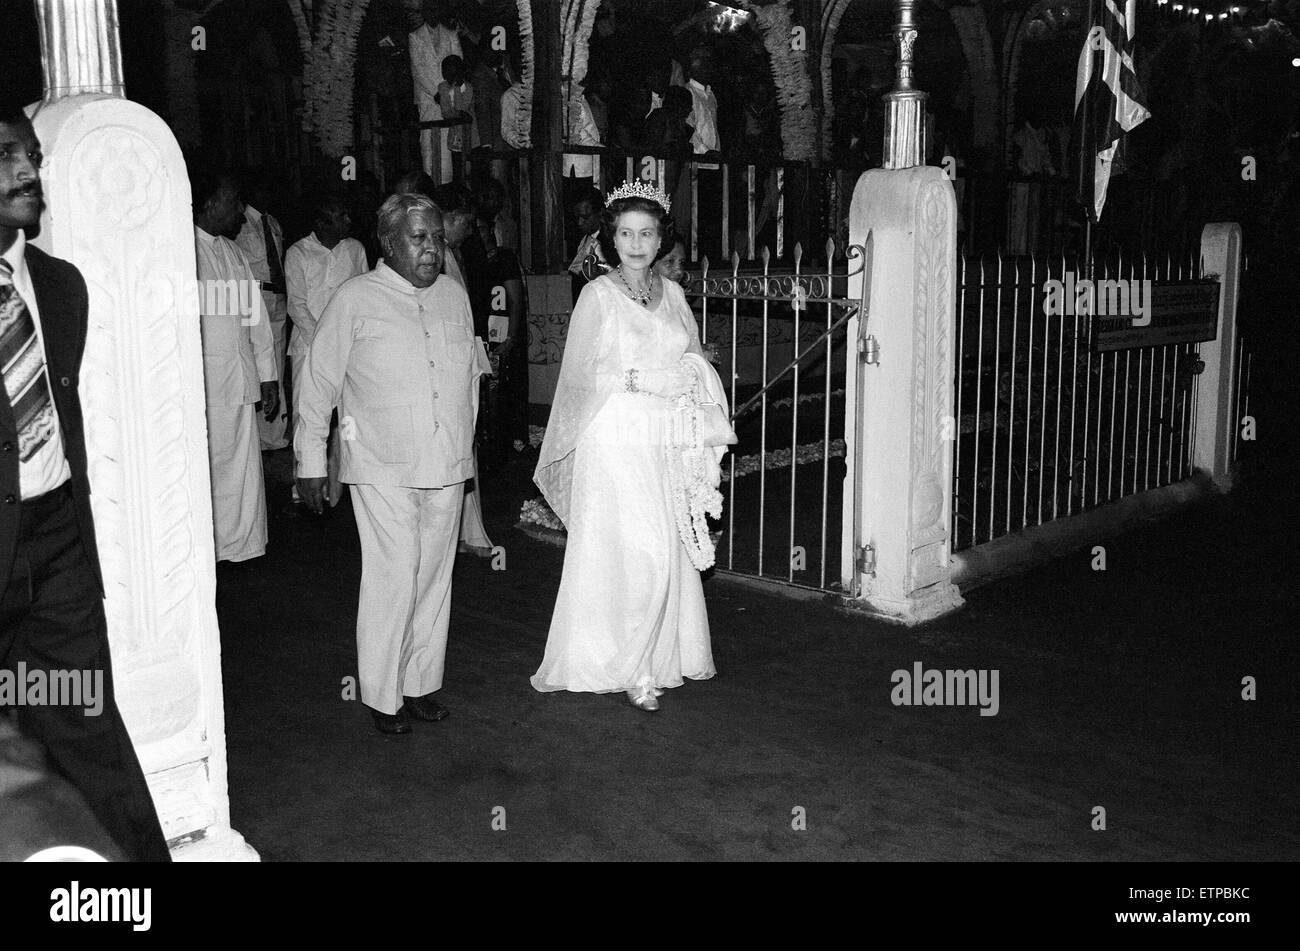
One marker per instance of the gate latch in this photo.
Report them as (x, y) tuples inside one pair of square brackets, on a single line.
[(867, 560), (869, 350)]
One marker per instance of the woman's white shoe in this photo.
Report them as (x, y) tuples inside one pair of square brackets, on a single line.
[(643, 698)]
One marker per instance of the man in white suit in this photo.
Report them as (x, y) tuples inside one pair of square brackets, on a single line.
[(314, 268), (395, 352), (239, 369)]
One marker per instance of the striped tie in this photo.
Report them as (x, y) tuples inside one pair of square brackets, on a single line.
[(22, 362)]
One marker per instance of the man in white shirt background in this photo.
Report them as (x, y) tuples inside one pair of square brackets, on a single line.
[(433, 37), (704, 139), (262, 241), (314, 268), (239, 368), (395, 352)]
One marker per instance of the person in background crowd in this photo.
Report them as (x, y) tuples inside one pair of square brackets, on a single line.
[(667, 130), (465, 259), (704, 114), (580, 167), (704, 140), (314, 269), (506, 300), (599, 91), (262, 241), (51, 590), (364, 218), (239, 368), (456, 97), (394, 351), (434, 37), (586, 211), (672, 266), (485, 78), (415, 183)]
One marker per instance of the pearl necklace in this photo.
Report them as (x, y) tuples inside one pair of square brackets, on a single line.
[(640, 296)]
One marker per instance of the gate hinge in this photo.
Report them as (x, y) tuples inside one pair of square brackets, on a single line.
[(869, 350), (867, 559)]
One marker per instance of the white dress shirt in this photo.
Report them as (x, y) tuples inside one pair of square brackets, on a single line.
[(704, 117), (252, 241), (400, 364), (312, 273), (238, 345), (429, 46), (47, 468)]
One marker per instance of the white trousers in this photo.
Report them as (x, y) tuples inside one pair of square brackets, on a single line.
[(238, 492), (408, 549)]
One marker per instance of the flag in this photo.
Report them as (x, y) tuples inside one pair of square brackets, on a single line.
[(1107, 98)]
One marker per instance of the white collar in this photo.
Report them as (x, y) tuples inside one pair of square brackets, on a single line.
[(16, 255)]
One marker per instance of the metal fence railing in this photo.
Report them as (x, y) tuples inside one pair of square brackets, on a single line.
[(780, 338), (1045, 426)]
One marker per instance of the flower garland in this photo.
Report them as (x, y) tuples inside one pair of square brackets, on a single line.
[(830, 27), (537, 512), (693, 491), (579, 18), (790, 74), (528, 76), (329, 69)]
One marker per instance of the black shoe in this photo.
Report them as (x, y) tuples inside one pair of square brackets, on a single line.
[(425, 708), (391, 723)]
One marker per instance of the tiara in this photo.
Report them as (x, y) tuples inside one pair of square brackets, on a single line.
[(640, 190)]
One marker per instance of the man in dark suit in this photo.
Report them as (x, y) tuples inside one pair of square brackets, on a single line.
[(51, 592)]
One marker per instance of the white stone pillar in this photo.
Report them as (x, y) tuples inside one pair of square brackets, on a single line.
[(1215, 426), (118, 206), (903, 458)]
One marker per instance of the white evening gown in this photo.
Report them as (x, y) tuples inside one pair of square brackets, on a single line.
[(630, 609)]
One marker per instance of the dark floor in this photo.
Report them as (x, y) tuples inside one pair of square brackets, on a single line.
[(1119, 689)]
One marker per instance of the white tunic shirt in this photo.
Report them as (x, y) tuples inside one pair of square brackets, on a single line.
[(312, 273), (399, 362), (238, 346)]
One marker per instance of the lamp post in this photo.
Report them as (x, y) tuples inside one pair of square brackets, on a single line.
[(80, 48), (905, 122)]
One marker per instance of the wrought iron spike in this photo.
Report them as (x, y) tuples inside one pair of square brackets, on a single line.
[(704, 266), (765, 256), (830, 251), (735, 262), (798, 253)]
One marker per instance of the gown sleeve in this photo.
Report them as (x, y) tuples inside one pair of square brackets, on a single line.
[(591, 370)]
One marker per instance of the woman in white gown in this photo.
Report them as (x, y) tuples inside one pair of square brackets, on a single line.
[(630, 611)]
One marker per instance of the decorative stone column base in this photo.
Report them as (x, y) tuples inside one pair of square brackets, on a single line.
[(903, 445), (118, 207)]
